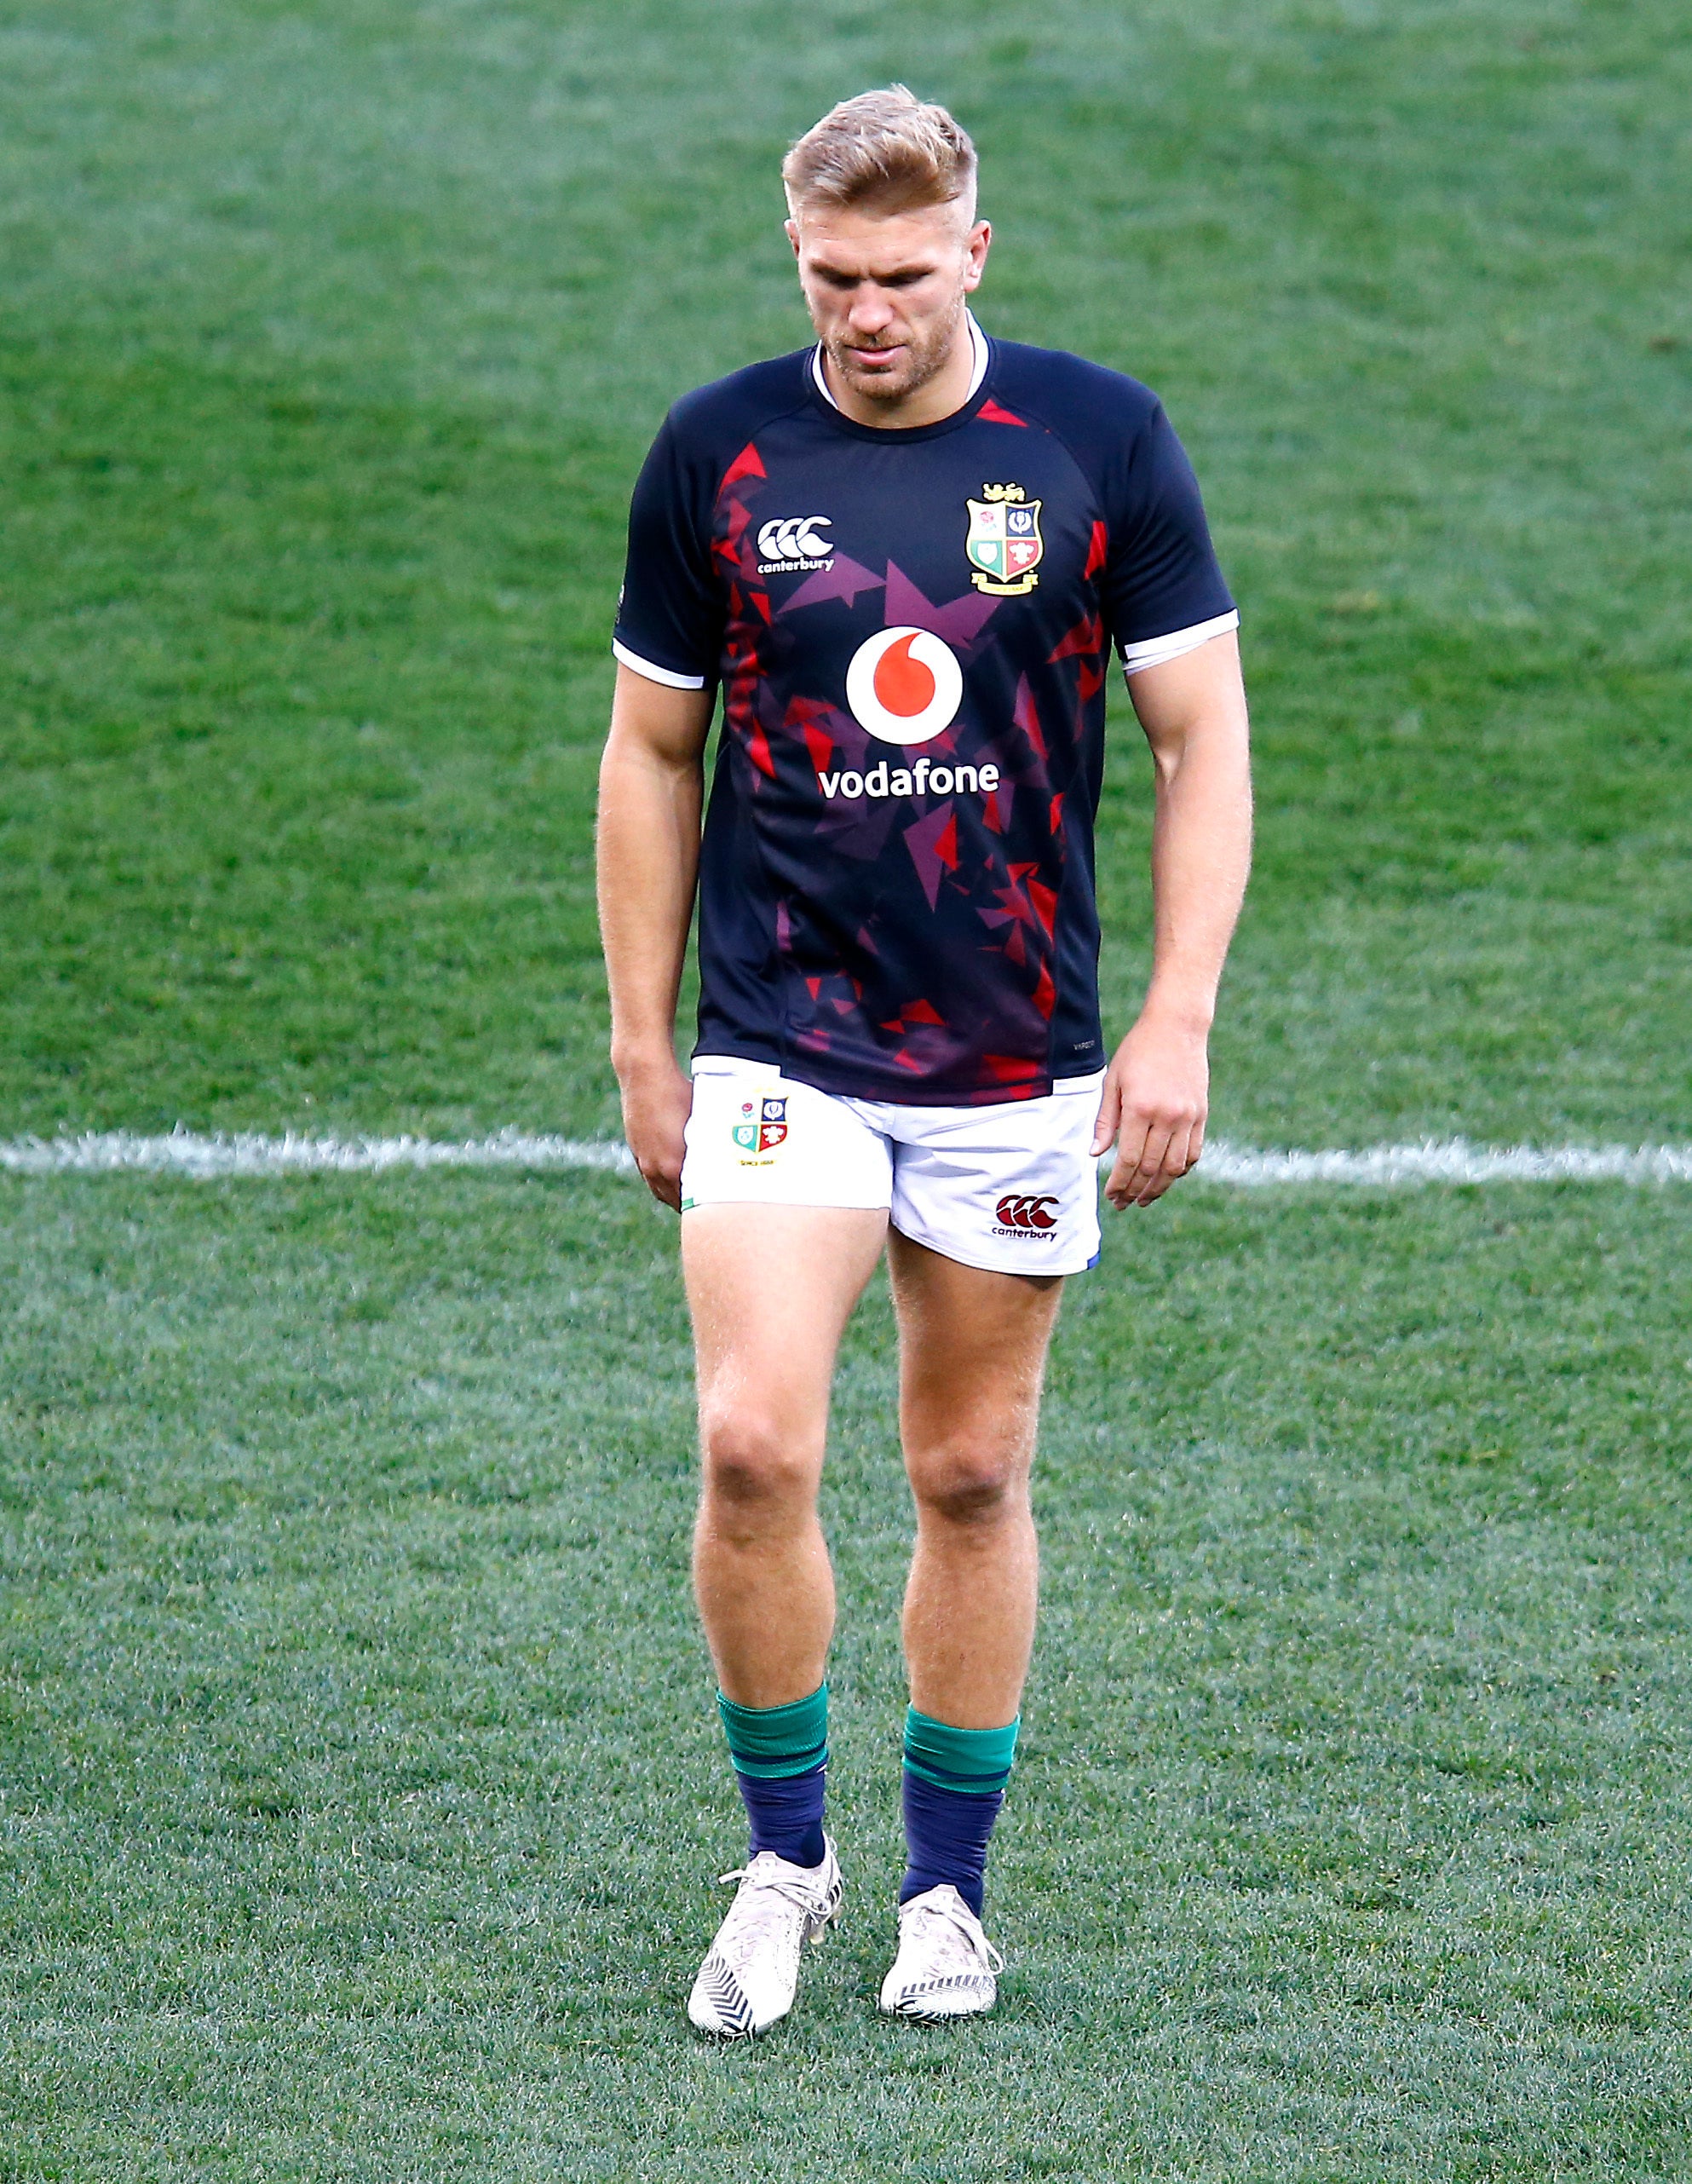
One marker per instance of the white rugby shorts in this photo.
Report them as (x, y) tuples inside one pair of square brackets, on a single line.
[(1011, 1188)]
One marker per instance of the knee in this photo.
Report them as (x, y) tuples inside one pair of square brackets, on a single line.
[(973, 1487), (750, 1464)]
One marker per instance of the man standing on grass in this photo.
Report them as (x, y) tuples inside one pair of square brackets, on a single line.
[(902, 555)]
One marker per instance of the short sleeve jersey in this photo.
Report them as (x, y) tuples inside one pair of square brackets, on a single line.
[(909, 629)]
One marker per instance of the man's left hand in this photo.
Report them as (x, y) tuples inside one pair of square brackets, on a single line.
[(1156, 1096)]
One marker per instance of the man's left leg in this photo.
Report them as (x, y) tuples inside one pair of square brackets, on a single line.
[(972, 1349)]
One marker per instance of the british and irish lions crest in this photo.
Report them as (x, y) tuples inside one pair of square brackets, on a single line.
[(1004, 543), (763, 1125)]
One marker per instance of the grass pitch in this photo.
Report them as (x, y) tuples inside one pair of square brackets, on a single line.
[(363, 1794), (358, 1787)]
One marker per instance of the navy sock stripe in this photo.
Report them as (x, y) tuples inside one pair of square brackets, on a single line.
[(799, 1762), (978, 1785)]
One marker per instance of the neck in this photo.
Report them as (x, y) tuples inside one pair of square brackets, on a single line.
[(936, 398)]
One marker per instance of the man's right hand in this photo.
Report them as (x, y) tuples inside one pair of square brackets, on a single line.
[(656, 1101), (651, 788)]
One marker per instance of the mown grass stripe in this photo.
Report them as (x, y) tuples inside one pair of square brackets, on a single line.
[(203, 1158)]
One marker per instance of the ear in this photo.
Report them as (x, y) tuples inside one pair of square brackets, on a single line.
[(975, 252), (792, 228)]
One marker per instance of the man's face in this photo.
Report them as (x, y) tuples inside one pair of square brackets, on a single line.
[(886, 290)]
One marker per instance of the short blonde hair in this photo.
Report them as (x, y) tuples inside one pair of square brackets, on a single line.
[(886, 150)]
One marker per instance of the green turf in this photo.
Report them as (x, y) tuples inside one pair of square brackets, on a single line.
[(364, 1788), (333, 336), (358, 1782)]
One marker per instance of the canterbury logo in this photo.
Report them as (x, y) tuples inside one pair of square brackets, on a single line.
[(1022, 1212), (787, 539)]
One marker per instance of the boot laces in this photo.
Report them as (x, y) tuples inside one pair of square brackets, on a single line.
[(767, 1901), (958, 1915)]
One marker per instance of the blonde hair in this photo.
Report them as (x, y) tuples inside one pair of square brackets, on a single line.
[(885, 150)]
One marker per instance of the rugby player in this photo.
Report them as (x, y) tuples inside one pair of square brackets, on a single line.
[(901, 557)]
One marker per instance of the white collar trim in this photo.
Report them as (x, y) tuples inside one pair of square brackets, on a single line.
[(978, 345)]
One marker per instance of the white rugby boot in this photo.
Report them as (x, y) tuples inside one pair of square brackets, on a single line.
[(946, 1967), (752, 1970)]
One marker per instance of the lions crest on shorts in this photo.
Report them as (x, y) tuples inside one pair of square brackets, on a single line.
[(762, 1127), (1003, 543)]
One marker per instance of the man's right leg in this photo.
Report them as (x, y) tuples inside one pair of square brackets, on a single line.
[(770, 1289)]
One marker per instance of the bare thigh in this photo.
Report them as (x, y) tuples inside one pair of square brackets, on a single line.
[(770, 1289), (972, 1349)]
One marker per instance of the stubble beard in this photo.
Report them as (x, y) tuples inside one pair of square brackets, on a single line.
[(926, 358)]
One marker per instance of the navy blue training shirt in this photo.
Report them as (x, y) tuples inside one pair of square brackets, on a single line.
[(909, 629)]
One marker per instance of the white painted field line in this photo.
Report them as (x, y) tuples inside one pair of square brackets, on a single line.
[(201, 1159), (104, 1152), (1447, 1160)]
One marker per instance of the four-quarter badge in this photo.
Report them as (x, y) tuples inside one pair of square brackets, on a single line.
[(1004, 542)]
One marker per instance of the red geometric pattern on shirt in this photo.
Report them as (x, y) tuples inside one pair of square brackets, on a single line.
[(748, 616)]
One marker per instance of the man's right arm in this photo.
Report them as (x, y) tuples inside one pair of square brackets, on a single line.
[(651, 793)]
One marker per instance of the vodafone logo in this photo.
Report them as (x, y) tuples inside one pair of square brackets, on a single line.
[(1027, 1212), (904, 685)]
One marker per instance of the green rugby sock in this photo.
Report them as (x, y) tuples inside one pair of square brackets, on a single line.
[(976, 1761), (954, 1785), (780, 1755), (768, 1742)]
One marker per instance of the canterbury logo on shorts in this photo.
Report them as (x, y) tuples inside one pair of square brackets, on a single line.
[(1028, 1213)]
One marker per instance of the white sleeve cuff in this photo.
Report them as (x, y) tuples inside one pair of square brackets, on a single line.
[(1154, 651), (667, 675)]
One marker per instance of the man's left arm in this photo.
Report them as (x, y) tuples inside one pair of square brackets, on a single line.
[(1157, 1088)]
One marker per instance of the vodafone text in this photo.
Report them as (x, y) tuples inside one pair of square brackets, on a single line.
[(921, 779)]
